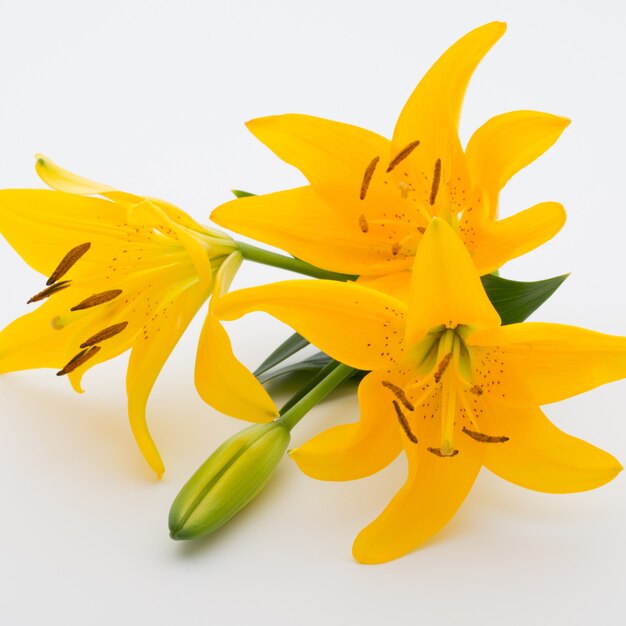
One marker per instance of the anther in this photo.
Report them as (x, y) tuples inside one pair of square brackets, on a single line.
[(484, 438), (363, 225), (421, 229), (48, 291), (439, 452), (82, 357), (399, 393), (107, 333), (67, 262), (436, 179), (443, 366), (403, 154), (367, 177), (404, 422), (96, 299), (476, 390)]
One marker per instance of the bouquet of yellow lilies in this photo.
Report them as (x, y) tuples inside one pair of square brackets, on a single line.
[(401, 243)]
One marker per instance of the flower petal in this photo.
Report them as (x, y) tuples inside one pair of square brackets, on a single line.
[(435, 489), (323, 150), (44, 225), (148, 357), (221, 380), (351, 451), (539, 456), (507, 143), (431, 114), (552, 361), (497, 241), (342, 319), (445, 287), (302, 223)]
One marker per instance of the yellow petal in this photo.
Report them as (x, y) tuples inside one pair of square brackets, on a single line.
[(496, 242), (397, 284), (507, 143), (302, 223), (445, 287), (539, 456), (435, 489), (431, 114), (44, 225), (221, 380), (351, 451), (553, 361), (355, 325), (148, 357), (321, 149)]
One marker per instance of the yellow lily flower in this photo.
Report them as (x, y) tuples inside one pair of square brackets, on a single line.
[(370, 199), (449, 385), (124, 272)]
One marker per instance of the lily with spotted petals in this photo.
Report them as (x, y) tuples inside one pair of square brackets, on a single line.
[(370, 199), (448, 384), (124, 272)]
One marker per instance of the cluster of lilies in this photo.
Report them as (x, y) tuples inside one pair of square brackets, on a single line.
[(399, 239)]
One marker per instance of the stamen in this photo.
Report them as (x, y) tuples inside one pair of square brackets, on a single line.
[(48, 291), (404, 422), (484, 438), (96, 299), (403, 154), (367, 177), (399, 393), (443, 365), (436, 178), (363, 224), (476, 390), (439, 452), (82, 357), (67, 262), (107, 333)]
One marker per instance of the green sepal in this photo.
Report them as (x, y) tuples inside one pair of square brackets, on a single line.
[(515, 300)]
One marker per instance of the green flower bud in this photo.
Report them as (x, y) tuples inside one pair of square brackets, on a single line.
[(232, 476)]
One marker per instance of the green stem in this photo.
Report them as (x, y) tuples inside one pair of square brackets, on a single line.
[(258, 255), (329, 378)]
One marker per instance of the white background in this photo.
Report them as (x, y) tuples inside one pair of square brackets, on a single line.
[(151, 97)]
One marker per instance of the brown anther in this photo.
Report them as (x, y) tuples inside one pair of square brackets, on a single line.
[(48, 291), (363, 225), (484, 438), (96, 299), (403, 154), (367, 177), (398, 392), (67, 262), (443, 366), (404, 422), (107, 333), (82, 357), (395, 249), (436, 179), (476, 390), (439, 452), (421, 229)]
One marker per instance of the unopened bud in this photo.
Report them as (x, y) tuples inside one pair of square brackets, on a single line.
[(232, 476)]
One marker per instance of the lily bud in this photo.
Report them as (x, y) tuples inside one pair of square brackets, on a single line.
[(230, 478)]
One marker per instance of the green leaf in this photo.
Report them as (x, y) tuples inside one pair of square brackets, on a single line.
[(311, 364), (514, 300), (238, 193), (290, 346)]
